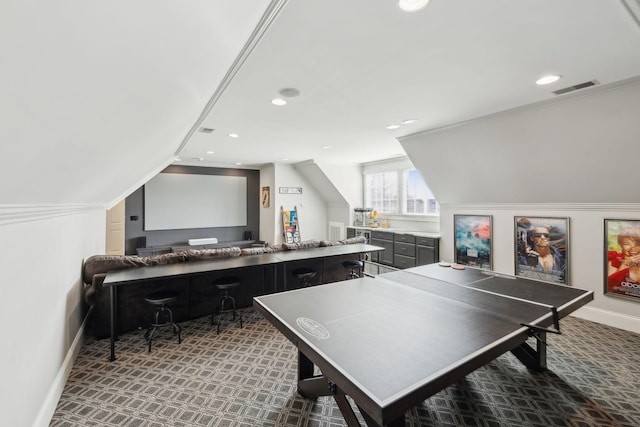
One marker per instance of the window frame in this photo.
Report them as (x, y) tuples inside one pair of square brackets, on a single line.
[(399, 166)]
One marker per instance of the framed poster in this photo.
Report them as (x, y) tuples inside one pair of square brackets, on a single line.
[(472, 236), (622, 258), (542, 248), (266, 197)]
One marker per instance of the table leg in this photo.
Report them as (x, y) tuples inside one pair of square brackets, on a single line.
[(112, 322), (533, 359), (311, 386)]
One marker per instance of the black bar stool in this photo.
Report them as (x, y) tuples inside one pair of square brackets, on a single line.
[(304, 274), (163, 315), (355, 268), (227, 303)]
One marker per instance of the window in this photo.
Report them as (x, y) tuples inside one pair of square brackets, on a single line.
[(398, 189), (382, 191), (419, 199)]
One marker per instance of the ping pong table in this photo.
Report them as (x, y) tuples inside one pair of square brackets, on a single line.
[(391, 341)]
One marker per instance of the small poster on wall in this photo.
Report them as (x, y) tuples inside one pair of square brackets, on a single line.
[(622, 258), (472, 234), (542, 248), (266, 197)]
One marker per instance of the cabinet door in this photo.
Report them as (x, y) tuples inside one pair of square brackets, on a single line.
[(385, 256), (425, 255), (406, 249), (402, 261)]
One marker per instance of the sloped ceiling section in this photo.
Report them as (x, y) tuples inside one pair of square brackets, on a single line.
[(98, 96), (582, 150)]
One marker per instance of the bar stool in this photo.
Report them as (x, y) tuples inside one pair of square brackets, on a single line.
[(355, 267), (227, 303), (163, 315), (304, 274)]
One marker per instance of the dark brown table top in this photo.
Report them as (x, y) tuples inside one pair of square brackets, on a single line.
[(402, 336)]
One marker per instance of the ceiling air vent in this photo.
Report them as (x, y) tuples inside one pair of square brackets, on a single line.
[(206, 130), (575, 87)]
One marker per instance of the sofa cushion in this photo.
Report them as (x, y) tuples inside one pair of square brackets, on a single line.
[(204, 254), (97, 264), (301, 245), (102, 263), (324, 243), (352, 240), (170, 258), (253, 251)]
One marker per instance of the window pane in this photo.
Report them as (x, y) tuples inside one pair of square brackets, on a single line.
[(420, 200), (382, 191)]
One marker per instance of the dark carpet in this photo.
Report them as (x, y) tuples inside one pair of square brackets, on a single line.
[(247, 377)]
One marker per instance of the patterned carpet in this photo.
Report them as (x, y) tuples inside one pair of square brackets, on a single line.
[(246, 377)]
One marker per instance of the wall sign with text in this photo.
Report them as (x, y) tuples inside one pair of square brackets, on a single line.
[(290, 190)]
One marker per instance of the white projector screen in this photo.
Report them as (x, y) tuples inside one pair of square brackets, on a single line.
[(177, 201)]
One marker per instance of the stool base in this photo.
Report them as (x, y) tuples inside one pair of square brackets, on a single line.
[(163, 317), (227, 305)]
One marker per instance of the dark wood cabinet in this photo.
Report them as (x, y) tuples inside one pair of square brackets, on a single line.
[(402, 250), (427, 250), (385, 240)]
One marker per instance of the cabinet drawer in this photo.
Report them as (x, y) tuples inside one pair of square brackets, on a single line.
[(401, 261), (405, 238), (381, 235), (425, 241), (407, 249)]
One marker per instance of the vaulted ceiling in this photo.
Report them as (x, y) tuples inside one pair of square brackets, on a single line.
[(97, 98)]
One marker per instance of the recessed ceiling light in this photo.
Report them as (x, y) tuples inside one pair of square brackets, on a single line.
[(201, 159), (238, 163), (551, 78), (278, 101), (209, 151), (326, 147), (391, 127), (284, 159), (412, 5), (289, 92), (409, 121), (234, 135)]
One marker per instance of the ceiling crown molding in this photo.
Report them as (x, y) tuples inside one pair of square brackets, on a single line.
[(11, 214)]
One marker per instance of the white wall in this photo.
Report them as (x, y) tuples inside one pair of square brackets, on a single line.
[(346, 182), (564, 160), (573, 151), (268, 230), (312, 208), (41, 307)]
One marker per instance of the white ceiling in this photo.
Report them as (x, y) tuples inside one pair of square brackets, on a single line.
[(361, 65), (99, 97)]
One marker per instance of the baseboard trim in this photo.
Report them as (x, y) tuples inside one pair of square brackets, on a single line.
[(610, 318), (50, 403)]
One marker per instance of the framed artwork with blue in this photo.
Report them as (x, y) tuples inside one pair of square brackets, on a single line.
[(472, 235)]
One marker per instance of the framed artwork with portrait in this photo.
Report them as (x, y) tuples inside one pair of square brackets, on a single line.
[(542, 248), (472, 235), (622, 258)]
